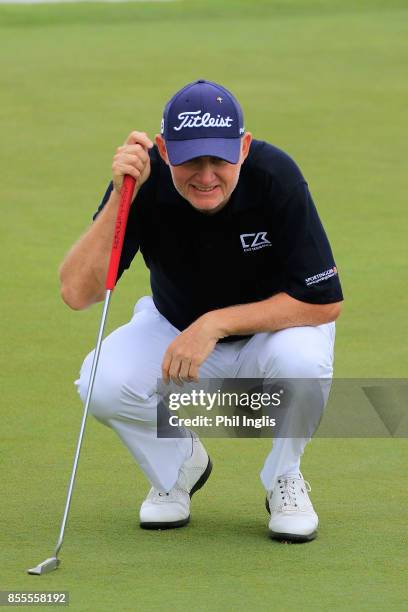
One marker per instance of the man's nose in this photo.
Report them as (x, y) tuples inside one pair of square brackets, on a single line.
[(205, 172)]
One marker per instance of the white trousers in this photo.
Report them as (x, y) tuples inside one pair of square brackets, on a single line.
[(124, 395)]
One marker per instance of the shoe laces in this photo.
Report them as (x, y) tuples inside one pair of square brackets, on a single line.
[(288, 490), (155, 495)]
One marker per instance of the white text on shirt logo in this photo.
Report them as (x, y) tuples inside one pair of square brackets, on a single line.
[(254, 241), (322, 276), (194, 119)]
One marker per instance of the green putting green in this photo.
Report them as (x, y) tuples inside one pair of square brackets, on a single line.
[(326, 81)]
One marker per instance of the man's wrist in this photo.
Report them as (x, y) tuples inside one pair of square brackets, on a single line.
[(215, 319), (114, 197)]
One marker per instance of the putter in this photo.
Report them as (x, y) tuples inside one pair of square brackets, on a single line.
[(52, 563)]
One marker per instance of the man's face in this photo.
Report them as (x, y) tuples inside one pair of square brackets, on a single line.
[(206, 182)]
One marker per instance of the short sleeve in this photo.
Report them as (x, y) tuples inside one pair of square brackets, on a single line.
[(309, 270), (104, 200)]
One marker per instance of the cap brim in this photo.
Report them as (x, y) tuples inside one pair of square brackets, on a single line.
[(181, 151)]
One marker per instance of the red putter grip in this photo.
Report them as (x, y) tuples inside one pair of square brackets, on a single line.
[(120, 228)]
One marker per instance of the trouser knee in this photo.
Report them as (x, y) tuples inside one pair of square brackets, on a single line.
[(300, 363), (297, 360), (116, 396)]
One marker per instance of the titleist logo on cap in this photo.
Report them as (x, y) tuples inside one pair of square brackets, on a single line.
[(194, 119)]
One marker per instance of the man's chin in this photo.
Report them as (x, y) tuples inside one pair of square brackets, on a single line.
[(208, 208)]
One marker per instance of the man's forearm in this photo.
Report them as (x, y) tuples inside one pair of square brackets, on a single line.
[(83, 271), (278, 312)]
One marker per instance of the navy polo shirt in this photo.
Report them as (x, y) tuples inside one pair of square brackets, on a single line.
[(267, 239)]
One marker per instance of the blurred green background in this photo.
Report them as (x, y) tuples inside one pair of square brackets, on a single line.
[(325, 81)]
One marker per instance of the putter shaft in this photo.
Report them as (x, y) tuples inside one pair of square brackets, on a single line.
[(112, 274), (53, 562)]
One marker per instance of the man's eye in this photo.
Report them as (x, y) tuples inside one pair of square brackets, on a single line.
[(196, 163)]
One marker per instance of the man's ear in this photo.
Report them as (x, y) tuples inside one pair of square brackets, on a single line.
[(245, 145), (161, 145)]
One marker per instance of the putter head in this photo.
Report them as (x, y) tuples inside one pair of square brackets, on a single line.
[(45, 567)]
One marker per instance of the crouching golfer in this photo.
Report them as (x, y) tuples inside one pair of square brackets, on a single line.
[(244, 285)]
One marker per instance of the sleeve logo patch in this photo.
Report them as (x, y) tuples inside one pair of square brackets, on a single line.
[(322, 276)]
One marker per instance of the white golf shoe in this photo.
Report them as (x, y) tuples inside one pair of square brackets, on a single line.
[(292, 515), (164, 510)]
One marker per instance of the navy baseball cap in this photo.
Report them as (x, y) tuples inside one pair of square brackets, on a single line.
[(203, 118)]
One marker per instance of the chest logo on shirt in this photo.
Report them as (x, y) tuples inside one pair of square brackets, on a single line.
[(254, 241)]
